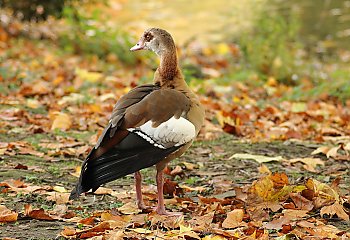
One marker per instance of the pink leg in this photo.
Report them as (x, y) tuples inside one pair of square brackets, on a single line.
[(139, 199), (159, 179), (160, 207)]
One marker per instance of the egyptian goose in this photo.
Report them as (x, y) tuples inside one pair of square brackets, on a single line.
[(150, 125)]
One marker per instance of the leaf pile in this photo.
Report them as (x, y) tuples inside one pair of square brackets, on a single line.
[(270, 207), (54, 105)]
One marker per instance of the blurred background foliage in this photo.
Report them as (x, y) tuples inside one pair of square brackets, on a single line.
[(297, 43)]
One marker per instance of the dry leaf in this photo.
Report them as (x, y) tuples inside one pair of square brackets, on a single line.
[(36, 213), (61, 121), (263, 169), (333, 209), (258, 158), (59, 198), (310, 163), (333, 152), (102, 190), (129, 208), (7, 215), (322, 149), (60, 189), (301, 202), (234, 219)]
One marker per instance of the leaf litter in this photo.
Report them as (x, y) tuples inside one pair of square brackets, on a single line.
[(50, 97)]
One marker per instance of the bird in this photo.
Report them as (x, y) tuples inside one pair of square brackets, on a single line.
[(150, 125)]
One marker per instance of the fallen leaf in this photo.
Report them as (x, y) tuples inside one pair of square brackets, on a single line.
[(298, 107), (129, 208), (322, 149), (333, 152), (184, 229), (301, 202), (310, 163), (60, 189), (263, 169), (234, 219), (59, 198), (141, 230), (36, 213), (289, 215), (7, 215), (88, 221), (20, 166), (213, 237), (85, 75), (191, 166), (333, 209), (101, 190), (190, 189), (68, 231), (201, 223), (176, 171), (279, 180), (258, 158), (61, 121)]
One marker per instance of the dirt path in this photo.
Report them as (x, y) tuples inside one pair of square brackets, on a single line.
[(215, 166)]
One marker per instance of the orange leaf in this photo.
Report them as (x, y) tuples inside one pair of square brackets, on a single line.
[(7, 215), (61, 121), (37, 213), (234, 219), (279, 180)]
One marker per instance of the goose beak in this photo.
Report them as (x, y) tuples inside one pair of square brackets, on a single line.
[(138, 46)]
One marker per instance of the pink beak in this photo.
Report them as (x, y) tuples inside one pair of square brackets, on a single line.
[(138, 46)]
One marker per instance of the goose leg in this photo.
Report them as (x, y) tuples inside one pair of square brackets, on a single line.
[(139, 199), (160, 209)]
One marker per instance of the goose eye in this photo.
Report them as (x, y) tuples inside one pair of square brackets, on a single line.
[(148, 37)]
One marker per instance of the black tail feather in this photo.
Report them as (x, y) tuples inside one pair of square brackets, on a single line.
[(131, 155)]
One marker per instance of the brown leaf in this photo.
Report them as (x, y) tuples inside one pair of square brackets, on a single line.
[(59, 198), (28, 150), (11, 183), (100, 190), (20, 166), (115, 220), (310, 163), (333, 152), (170, 187), (67, 232), (189, 166), (279, 180), (333, 209), (289, 215), (201, 223), (61, 121), (301, 202), (129, 208), (234, 219), (322, 149), (7, 215), (176, 171), (88, 221), (37, 213)]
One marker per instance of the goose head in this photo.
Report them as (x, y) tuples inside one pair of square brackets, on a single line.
[(156, 40)]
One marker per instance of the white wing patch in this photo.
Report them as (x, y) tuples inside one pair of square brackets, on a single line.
[(173, 132)]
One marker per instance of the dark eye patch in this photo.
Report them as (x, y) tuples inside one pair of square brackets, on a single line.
[(148, 37)]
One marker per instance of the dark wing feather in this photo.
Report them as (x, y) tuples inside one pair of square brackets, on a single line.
[(130, 155), (118, 152)]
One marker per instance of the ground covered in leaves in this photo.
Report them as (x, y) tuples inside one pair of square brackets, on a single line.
[(263, 166)]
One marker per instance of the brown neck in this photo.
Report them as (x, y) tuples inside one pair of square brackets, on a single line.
[(168, 65)]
